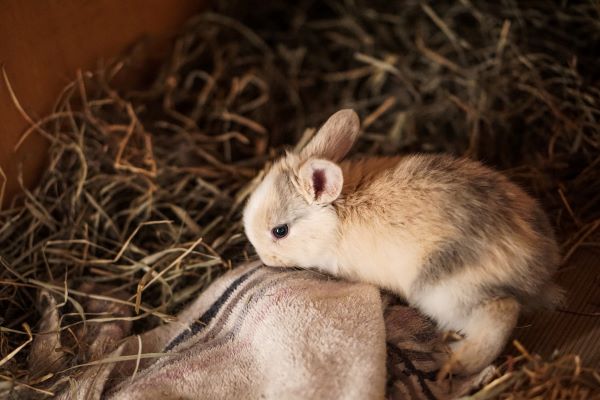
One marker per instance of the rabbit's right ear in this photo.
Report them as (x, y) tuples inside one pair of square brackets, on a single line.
[(320, 181), (335, 138)]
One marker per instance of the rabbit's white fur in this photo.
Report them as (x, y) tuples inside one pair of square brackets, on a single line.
[(454, 238)]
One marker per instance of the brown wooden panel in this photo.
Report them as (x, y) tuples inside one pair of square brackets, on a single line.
[(570, 333), (43, 43)]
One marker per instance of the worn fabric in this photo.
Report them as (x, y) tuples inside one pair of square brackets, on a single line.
[(264, 333)]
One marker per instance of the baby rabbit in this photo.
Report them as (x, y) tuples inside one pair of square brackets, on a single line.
[(457, 240)]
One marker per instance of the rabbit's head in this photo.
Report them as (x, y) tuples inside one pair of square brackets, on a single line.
[(290, 218)]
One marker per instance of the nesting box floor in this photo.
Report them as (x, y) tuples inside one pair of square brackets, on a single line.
[(576, 330)]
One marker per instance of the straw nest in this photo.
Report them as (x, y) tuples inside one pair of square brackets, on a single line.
[(144, 187)]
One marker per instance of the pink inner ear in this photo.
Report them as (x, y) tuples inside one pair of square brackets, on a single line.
[(318, 179)]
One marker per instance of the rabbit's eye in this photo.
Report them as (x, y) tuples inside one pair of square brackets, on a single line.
[(280, 231)]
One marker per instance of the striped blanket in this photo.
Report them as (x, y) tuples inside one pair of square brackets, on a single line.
[(260, 333)]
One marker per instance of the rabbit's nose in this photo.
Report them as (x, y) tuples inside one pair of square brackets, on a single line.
[(268, 261), (271, 261)]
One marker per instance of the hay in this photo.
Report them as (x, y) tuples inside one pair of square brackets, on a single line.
[(528, 376), (145, 186)]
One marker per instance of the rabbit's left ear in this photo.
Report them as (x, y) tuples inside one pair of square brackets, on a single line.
[(320, 181), (335, 138)]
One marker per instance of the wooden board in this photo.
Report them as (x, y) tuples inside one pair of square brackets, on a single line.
[(566, 331), (43, 43)]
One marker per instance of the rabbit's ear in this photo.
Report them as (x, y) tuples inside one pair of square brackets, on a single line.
[(320, 181), (335, 138)]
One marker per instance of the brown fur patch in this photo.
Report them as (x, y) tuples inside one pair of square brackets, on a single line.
[(460, 210)]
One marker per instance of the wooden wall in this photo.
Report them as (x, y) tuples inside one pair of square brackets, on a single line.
[(44, 42)]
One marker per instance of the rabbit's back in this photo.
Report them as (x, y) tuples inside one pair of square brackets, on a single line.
[(470, 225)]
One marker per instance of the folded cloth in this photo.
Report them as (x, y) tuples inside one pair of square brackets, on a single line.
[(270, 333)]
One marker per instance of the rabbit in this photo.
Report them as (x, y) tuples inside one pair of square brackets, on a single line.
[(455, 239)]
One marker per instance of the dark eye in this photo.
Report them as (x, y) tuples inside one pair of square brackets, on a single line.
[(280, 231)]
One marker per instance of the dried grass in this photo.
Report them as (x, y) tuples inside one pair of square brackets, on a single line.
[(144, 187), (528, 376)]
